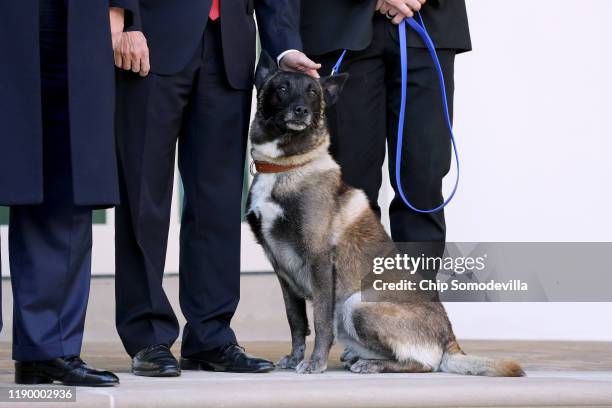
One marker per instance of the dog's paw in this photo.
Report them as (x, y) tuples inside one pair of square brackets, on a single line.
[(289, 362), (349, 356), (366, 367), (311, 367)]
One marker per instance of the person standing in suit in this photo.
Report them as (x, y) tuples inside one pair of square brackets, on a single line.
[(57, 163), (366, 116), (188, 68)]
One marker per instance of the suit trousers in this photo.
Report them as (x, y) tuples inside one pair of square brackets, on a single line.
[(198, 108), (365, 120), (50, 243)]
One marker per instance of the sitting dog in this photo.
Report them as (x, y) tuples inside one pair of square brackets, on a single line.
[(313, 228)]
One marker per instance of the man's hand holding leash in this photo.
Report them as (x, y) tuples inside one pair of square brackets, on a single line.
[(398, 10)]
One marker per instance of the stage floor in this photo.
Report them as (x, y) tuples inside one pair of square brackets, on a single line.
[(575, 374)]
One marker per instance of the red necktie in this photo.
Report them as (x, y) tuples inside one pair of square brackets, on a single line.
[(215, 10)]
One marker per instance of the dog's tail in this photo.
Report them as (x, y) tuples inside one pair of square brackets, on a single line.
[(455, 361)]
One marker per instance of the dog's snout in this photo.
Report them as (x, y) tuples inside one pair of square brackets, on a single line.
[(300, 111)]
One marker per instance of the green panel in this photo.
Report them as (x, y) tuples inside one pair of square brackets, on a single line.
[(4, 215), (245, 190), (181, 197), (99, 216)]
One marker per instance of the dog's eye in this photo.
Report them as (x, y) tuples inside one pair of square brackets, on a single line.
[(282, 89), (312, 92)]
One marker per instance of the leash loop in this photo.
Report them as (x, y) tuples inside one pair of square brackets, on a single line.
[(421, 30)]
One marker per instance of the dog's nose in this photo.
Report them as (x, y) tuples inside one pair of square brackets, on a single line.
[(300, 110)]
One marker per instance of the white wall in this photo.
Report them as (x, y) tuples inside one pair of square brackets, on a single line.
[(534, 122), (534, 127), (533, 115)]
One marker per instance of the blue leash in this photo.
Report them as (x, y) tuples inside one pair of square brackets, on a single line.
[(419, 27)]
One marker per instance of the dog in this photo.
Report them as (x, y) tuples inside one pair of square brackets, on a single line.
[(313, 228)]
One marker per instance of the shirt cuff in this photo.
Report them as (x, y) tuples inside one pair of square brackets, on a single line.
[(280, 57)]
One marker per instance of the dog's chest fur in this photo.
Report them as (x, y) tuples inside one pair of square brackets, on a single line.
[(273, 219)]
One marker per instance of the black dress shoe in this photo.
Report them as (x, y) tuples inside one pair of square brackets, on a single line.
[(67, 370), (230, 358), (155, 361)]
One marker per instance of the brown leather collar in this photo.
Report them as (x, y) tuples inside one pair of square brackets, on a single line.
[(267, 167)]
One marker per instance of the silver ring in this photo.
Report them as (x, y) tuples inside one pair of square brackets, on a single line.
[(389, 16)]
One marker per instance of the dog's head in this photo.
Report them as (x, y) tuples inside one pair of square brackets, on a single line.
[(294, 102)]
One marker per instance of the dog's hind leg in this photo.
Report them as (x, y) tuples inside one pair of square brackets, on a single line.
[(363, 366), (390, 330)]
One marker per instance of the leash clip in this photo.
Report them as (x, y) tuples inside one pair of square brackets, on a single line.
[(336, 67)]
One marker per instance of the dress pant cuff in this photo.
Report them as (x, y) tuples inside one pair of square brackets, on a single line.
[(134, 348), (48, 351), (189, 349)]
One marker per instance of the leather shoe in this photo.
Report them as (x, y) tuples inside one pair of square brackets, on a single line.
[(229, 358), (155, 361), (70, 371)]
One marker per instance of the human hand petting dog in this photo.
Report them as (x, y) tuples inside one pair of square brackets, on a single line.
[(130, 49), (297, 61), (398, 10)]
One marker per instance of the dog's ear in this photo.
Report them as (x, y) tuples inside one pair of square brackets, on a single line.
[(332, 87), (265, 69)]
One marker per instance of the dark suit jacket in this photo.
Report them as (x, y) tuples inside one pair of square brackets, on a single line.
[(174, 29), (330, 25), (91, 78)]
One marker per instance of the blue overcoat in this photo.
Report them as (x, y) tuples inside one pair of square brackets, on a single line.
[(91, 103)]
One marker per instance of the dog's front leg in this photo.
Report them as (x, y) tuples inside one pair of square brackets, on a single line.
[(295, 307), (323, 311)]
